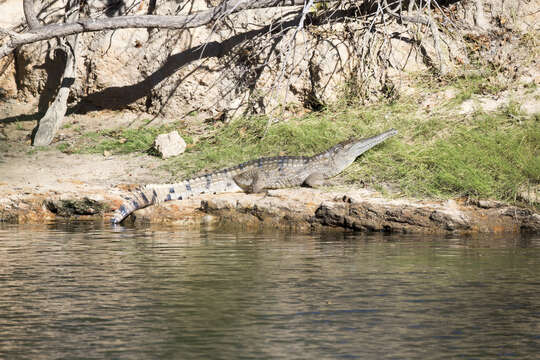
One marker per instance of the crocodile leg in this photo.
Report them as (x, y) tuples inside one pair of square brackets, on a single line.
[(315, 180), (250, 181), (258, 184)]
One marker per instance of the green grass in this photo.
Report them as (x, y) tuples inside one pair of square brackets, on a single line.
[(438, 153), (127, 141), (117, 141), (466, 84), (493, 158), (63, 147), (248, 138)]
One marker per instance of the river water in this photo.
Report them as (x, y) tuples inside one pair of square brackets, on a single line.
[(85, 290)]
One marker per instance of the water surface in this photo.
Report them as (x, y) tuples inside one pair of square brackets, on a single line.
[(85, 290)]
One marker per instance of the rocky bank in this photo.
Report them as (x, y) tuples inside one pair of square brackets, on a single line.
[(289, 209)]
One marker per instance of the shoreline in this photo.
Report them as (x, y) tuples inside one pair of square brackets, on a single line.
[(299, 209)]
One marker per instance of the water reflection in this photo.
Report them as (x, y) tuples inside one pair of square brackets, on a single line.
[(88, 291)]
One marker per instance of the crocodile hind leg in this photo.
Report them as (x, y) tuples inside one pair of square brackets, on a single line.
[(315, 180), (250, 181)]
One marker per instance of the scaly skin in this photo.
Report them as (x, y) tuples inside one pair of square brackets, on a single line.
[(256, 175)]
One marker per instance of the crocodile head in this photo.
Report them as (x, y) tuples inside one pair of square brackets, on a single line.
[(343, 154)]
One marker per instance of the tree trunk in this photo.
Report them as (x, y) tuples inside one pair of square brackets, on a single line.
[(51, 122)]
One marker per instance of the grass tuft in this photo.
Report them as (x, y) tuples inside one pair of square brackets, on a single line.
[(117, 141)]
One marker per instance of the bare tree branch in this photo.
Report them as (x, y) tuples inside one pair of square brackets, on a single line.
[(30, 14), (9, 33), (413, 19), (419, 19), (142, 21)]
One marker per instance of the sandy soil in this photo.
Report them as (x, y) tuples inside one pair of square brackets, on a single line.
[(25, 170)]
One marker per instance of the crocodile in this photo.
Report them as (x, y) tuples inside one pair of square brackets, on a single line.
[(256, 175)]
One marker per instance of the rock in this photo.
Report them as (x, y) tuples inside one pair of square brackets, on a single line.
[(488, 204), (170, 144), (530, 194), (72, 207)]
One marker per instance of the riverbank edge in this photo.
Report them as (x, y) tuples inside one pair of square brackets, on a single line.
[(299, 209)]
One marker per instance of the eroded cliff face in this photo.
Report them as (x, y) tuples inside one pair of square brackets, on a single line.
[(239, 65)]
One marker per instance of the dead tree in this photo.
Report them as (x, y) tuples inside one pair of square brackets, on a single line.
[(75, 23)]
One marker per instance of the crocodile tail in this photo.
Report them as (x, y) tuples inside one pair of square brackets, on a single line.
[(146, 196)]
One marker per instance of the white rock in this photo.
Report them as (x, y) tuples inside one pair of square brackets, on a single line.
[(170, 144)]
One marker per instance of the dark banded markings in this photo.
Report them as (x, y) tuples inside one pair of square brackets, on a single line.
[(281, 161), (143, 196)]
